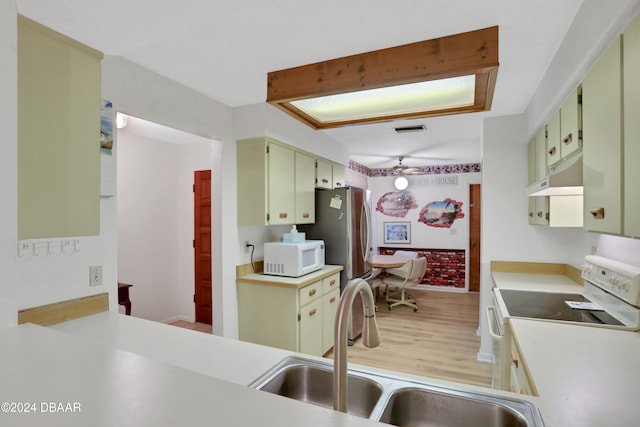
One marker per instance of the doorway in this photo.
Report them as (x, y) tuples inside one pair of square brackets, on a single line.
[(202, 246), (474, 237)]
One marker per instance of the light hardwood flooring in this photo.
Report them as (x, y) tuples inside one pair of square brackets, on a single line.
[(439, 340), (200, 327)]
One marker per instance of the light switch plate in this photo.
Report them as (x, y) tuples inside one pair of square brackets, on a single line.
[(95, 275)]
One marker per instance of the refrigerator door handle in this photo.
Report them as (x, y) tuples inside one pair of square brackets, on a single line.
[(367, 230)]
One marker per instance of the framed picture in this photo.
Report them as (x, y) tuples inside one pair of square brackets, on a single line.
[(397, 232)]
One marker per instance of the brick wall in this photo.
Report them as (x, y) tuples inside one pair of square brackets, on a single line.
[(445, 267)]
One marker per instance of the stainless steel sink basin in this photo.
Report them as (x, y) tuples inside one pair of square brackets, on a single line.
[(395, 400), (419, 407), (313, 383)]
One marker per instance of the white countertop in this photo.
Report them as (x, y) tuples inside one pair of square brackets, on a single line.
[(102, 386), (585, 376), (290, 282), (535, 282)]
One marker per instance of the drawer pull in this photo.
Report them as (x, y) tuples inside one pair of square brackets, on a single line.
[(312, 312), (283, 214), (552, 152), (332, 300), (597, 213), (332, 282), (312, 292), (305, 215), (567, 139)]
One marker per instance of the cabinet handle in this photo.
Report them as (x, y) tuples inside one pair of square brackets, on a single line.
[(332, 300), (338, 184), (539, 213), (305, 215), (597, 213), (567, 139), (531, 214), (524, 391), (312, 292), (514, 359), (552, 152), (325, 181), (312, 312), (332, 282), (283, 214)]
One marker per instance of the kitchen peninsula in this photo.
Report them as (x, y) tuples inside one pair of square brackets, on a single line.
[(221, 366)]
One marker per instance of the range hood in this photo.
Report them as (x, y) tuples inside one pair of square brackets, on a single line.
[(564, 179)]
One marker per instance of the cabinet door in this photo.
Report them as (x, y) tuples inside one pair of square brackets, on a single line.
[(531, 161), (570, 124), (58, 134), (339, 175), (632, 129), (281, 185), (602, 144), (532, 210), (305, 189), (542, 210), (329, 310), (541, 154), (324, 174), (553, 139), (310, 337)]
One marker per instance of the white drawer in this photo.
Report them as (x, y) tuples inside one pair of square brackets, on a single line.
[(310, 293), (330, 283)]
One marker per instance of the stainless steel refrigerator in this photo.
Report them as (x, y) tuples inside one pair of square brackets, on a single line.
[(343, 221)]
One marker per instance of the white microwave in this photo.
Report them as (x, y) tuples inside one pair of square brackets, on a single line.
[(293, 259)]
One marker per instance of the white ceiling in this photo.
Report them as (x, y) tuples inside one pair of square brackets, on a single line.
[(225, 48)]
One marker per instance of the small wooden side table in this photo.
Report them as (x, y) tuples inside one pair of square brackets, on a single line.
[(123, 297)]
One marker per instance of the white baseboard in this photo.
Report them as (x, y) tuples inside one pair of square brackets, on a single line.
[(484, 357), (177, 319)]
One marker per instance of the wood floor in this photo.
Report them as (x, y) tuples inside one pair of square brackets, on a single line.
[(439, 340)]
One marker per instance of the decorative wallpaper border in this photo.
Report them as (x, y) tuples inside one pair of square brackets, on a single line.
[(425, 170)]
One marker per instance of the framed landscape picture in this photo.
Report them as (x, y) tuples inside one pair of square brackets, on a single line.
[(397, 232)]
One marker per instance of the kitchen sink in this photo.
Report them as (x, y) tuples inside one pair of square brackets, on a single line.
[(313, 383), (395, 400), (423, 407)]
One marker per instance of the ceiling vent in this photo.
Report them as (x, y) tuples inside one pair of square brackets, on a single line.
[(409, 129)]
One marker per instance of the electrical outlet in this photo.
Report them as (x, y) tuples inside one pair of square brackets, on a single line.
[(95, 275)]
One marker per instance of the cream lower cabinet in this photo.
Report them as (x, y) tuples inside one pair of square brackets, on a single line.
[(285, 316), (520, 380)]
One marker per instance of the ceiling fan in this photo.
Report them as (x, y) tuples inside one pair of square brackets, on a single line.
[(401, 169)]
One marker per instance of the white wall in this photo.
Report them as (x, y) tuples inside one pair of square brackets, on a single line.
[(8, 163), (155, 223)]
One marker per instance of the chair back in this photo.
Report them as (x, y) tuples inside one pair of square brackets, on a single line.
[(418, 268), (406, 254)]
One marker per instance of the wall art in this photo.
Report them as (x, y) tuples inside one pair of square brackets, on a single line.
[(441, 214), (396, 203), (397, 232)]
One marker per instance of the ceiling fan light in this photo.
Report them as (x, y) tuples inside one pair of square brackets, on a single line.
[(401, 183)]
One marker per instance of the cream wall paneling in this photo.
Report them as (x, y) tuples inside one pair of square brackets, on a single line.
[(59, 100)]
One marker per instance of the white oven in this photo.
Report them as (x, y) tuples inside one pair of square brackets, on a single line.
[(611, 299)]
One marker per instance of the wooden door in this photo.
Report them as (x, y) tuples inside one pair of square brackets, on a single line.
[(202, 245), (474, 238)]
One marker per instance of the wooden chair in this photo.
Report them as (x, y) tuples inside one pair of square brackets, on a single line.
[(409, 274)]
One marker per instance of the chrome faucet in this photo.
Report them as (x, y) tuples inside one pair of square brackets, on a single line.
[(370, 337)]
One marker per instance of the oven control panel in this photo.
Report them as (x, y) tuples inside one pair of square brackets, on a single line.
[(619, 279)]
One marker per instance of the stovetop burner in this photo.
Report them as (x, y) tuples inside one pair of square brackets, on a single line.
[(552, 306)]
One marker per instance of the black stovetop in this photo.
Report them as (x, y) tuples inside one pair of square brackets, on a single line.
[(552, 306)]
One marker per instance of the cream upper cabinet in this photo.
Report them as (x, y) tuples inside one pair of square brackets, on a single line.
[(538, 212), (59, 99), (324, 174), (602, 144), (266, 177), (305, 189), (553, 139), (571, 124), (339, 175), (631, 56)]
